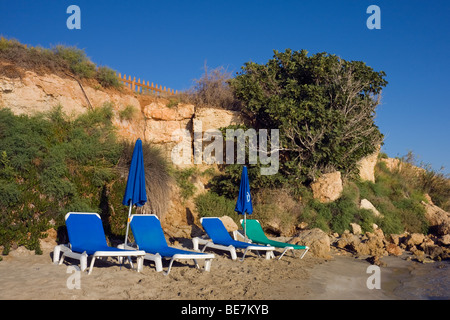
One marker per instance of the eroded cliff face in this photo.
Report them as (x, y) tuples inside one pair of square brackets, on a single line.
[(154, 119)]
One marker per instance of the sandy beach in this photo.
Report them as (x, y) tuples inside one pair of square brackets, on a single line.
[(24, 275)]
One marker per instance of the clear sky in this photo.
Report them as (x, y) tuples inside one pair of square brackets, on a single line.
[(169, 42)]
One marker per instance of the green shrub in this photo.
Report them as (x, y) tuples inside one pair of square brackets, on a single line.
[(127, 113), (210, 204), (50, 165), (183, 178), (107, 78)]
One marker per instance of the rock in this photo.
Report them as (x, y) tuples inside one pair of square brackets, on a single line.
[(214, 118), (374, 245), (376, 260), (392, 164), (348, 241), (366, 204), (302, 225), (48, 243), (415, 239), (393, 249), (317, 241), (356, 228), (438, 219), (158, 110), (367, 166), (229, 223), (328, 187), (395, 238), (445, 240)]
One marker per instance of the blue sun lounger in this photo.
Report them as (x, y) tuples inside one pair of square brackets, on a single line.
[(221, 239), (149, 236), (87, 239)]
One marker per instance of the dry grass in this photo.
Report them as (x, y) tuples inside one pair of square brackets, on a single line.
[(213, 90), (157, 177)]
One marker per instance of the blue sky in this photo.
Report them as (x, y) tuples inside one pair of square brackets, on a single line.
[(169, 42)]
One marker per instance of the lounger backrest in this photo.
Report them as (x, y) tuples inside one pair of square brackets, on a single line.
[(216, 230), (85, 231), (254, 230), (147, 231)]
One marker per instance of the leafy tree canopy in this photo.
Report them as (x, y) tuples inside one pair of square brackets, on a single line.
[(324, 107)]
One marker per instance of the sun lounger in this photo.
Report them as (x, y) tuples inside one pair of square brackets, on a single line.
[(221, 239), (256, 234), (87, 239), (149, 236)]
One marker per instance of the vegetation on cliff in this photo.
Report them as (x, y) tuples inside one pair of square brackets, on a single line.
[(60, 60), (51, 164)]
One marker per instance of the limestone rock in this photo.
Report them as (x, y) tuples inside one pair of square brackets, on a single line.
[(328, 187), (394, 249), (213, 118), (438, 219), (229, 223), (317, 240), (366, 204), (367, 166), (356, 228)]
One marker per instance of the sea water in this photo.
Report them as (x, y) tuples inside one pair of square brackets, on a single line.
[(429, 281)]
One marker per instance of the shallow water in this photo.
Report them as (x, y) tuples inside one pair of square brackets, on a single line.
[(429, 281)]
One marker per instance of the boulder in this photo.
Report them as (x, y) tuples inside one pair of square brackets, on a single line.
[(229, 223), (438, 219), (415, 239), (366, 204), (317, 241), (366, 166), (328, 187), (393, 249), (356, 228)]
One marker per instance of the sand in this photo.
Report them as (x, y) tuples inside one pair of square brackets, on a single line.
[(24, 275)]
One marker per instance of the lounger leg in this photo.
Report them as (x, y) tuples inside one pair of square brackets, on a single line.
[(56, 252), (233, 253), (195, 244), (61, 260), (158, 263), (92, 265), (196, 264), (306, 250), (208, 264), (285, 250), (243, 257), (83, 261), (170, 267), (140, 264)]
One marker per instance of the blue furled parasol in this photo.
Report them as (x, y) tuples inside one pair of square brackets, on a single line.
[(244, 201), (135, 193)]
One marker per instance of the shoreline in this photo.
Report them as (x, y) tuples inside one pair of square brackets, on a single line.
[(26, 276)]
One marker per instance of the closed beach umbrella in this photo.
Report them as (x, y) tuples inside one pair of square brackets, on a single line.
[(244, 201), (135, 193)]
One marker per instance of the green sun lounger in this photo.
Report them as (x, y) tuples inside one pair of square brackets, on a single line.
[(256, 234)]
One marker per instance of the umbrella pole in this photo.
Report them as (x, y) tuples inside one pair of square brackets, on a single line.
[(128, 225), (245, 226), (126, 236)]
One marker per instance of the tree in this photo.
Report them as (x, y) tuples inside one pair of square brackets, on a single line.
[(323, 105)]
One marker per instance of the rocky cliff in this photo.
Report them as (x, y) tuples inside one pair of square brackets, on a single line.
[(151, 118)]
